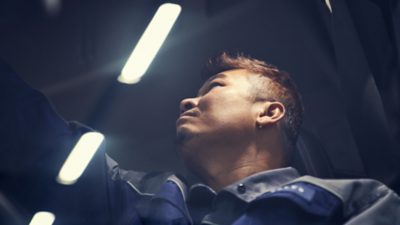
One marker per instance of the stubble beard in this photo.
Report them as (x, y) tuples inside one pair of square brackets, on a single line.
[(183, 137)]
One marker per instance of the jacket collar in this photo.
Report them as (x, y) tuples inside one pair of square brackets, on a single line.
[(230, 202), (224, 207), (253, 186)]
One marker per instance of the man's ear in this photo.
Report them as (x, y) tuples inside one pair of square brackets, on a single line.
[(272, 113)]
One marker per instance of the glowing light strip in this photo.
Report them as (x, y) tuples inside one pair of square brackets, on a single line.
[(149, 43), (43, 218), (79, 158), (328, 4)]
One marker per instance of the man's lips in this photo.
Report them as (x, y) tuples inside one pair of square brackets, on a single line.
[(187, 114)]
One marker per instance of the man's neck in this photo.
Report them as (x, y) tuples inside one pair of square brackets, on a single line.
[(222, 170), (225, 178), (220, 164)]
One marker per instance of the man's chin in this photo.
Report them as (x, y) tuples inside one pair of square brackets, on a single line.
[(182, 138), (186, 136)]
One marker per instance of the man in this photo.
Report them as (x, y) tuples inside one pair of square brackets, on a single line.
[(244, 120), (237, 135)]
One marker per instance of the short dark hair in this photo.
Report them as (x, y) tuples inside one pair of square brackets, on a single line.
[(282, 88)]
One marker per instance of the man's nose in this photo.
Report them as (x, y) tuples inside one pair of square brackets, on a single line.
[(187, 104)]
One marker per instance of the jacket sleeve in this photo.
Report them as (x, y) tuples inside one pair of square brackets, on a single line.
[(30, 128), (35, 142)]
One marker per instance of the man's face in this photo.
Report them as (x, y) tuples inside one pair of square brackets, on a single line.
[(222, 113)]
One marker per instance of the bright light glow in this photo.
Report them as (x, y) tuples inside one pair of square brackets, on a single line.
[(79, 157), (43, 218), (328, 4), (52, 7), (149, 44)]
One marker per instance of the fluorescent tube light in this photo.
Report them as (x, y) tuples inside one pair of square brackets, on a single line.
[(149, 43), (328, 4), (79, 157), (42, 218)]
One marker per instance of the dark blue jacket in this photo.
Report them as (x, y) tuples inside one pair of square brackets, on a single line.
[(35, 141)]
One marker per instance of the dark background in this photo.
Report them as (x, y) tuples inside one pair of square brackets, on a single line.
[(346, 65)]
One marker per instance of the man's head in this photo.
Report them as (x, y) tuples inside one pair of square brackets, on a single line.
[(243, 102)]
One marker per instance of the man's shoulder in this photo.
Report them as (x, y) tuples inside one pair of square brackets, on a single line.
[(141, 182), (347, 189), (363, 200), (344, 201)]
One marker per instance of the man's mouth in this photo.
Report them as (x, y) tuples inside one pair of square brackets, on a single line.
[(187, 114), (191, 113)]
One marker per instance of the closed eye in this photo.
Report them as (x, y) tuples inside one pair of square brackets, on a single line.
[(213, 85), (208, 87)]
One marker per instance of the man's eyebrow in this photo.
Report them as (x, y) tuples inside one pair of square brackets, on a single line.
[(219, 75)]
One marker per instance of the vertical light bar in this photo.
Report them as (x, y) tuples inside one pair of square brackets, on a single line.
[(43, 218), (79, 157), (149, 43), (328, 4)]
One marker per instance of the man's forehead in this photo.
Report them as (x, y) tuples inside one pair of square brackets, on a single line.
[(236, 74), (233, 74), (229, 73)]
